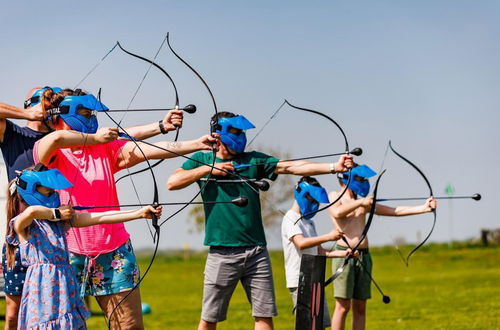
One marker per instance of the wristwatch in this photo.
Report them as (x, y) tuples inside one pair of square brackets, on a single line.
[(56, 214), (162, 127)]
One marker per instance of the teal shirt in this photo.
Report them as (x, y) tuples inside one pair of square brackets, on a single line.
[(228, 224)]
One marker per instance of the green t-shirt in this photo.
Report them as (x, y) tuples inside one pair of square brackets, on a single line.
[(228, 224)]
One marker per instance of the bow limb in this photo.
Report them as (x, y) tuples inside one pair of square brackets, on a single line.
[(156, 66), (152, 63), (212, 129), (372, 212), (156, 238), (431, 194), (346, 145), (155, 197)]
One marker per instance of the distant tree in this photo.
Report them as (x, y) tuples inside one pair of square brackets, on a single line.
[(273, 201)]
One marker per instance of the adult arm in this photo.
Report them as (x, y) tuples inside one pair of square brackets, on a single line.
[(305, 168), (11, 112), (67, 139), (182, 178), (171, 121), (132, 155)]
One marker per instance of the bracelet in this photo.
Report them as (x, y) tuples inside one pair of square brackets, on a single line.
[(332, 168), (162, 127)]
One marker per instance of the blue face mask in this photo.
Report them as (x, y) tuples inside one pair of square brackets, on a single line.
[(37, 96), (28, 182), (359, 179), (68, 110), (303, 192), (236, 143)]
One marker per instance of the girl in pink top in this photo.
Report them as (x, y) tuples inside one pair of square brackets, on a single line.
[(89, 158)]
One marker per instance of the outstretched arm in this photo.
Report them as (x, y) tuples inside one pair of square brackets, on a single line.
[(400, 211), (171, 121), (301, 167), (132, 155), (99, 218), (66, 139)]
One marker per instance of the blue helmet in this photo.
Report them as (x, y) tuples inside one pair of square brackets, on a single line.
[(68, 110), (359, 183), (304, 192), (29, 180), (236, 143), (37, 96)]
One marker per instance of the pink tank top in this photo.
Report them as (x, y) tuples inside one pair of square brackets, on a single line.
[(91, 171)]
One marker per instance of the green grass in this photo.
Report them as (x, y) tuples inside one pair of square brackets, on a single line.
[(442, 289)]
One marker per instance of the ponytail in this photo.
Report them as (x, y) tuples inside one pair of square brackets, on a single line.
[(12, 209)]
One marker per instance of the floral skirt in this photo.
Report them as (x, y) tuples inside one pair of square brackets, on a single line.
[(108, 273)]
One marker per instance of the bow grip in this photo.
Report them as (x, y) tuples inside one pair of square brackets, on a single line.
[(154, 218)]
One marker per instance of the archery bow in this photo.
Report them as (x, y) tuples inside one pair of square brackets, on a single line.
[(346, 152), (431, 194), (212, 127), (363, 234), (190, 108)]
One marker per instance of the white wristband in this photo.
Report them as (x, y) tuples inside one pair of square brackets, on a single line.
[(332, 168)]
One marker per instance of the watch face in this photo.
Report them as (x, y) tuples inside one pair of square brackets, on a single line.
[(57, 213)]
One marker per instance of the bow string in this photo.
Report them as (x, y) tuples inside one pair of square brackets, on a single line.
[(431, 194)]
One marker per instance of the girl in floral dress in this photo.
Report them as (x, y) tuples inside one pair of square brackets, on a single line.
[(37, 224)]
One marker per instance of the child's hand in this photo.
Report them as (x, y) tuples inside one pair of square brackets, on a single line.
[(350, 253), (430, 204), (66, 211), (367, 203), (148, 211), (335, 234)]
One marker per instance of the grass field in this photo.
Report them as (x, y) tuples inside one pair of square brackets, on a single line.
[(444, 288)]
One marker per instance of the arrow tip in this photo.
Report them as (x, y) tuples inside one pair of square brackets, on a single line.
[(356, 152), (241, 201)]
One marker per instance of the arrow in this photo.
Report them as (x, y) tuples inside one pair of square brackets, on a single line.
[(475, 197), (240, 201)]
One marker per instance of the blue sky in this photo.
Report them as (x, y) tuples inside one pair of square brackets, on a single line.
[(424, 74)]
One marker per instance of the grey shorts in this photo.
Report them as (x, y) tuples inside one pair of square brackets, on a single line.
[(326, 314), (225, 267)]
